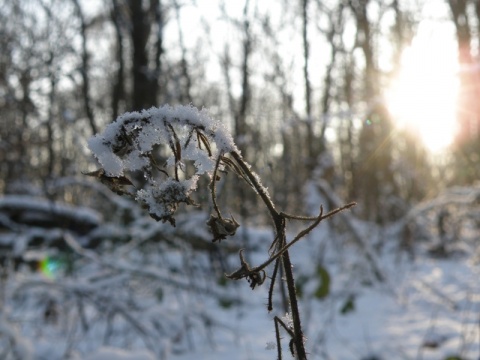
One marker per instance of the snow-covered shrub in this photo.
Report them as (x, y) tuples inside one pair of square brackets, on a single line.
[(128, 145), (124, 292), (128, 150)]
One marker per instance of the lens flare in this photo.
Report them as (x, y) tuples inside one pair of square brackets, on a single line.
[(50, 267)]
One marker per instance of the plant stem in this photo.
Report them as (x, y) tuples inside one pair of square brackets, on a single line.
[(292, 294), (297, 326), (279, 221)]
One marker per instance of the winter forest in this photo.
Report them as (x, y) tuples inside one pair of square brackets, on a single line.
[(239, 179)]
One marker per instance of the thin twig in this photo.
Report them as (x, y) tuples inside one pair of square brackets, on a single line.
[(277, 337), (287, 329), (298, 217), (175, 147), (279, 223), (309, 218), (203, 139), (302, 234), (212, 187), (236, 170), (272, 284), (278, 321)]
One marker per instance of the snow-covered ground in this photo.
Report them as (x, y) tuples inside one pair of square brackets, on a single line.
[(427, 309), (146, 299)]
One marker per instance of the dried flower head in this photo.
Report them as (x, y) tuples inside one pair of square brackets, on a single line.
[(221, 228), (131, 144)]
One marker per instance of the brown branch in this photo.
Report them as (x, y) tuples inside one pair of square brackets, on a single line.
[(302, 234), (212, 187), (272, 284)]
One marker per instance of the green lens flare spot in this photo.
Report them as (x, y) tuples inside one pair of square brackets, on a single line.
[(49, 267)]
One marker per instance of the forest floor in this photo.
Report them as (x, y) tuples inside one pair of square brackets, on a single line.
[(425, 307)]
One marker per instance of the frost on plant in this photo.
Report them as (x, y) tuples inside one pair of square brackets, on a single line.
[(136, 144), (132, 143), (287, 320)]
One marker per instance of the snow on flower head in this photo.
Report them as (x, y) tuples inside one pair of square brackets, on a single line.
[(132, 144)]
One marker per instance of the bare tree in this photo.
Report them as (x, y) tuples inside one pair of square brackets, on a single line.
[(185, 96), (469, 108), (84, 71), (307, 84), (118, 88), (468, 112), (373, 175)]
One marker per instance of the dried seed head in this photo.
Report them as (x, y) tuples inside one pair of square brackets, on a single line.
[(256, 278), (221, 228)]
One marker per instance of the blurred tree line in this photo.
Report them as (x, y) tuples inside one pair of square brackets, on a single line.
[(299, 83)]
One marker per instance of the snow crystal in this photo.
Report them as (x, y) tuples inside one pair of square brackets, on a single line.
[(111, 163), (135, 161), (204, 164), (147, 137), (162, 199), (287, 320)]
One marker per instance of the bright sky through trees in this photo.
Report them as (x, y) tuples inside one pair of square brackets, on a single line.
[(423, 98)]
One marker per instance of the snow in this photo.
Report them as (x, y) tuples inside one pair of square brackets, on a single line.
[(112, 164), (107, 353), (138, 133), (21, 347), (38, 206), (161, 199), (127, 145), (143, 298)]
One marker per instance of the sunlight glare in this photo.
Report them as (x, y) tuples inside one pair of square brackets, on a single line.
[(424, 95)]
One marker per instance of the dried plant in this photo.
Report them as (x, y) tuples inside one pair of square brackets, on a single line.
[(129, 145)]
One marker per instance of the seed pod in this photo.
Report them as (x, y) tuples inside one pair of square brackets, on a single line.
[(221, 228)]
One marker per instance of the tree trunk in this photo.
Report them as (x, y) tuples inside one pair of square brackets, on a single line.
[(140, 30), (308, 88), (468, 115), (118, 90), (374, 177), (84, 69)]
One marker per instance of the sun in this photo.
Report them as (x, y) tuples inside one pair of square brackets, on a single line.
[(423, 97)]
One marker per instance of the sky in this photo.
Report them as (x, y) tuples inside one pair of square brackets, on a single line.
[(423, 97)]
